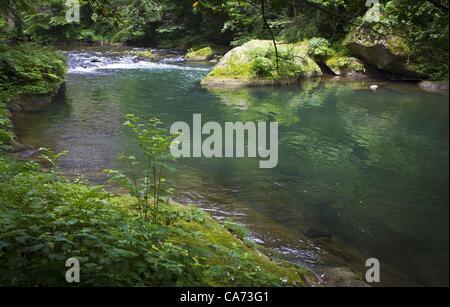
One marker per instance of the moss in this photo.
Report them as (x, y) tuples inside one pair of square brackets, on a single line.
[(183, 247), (224, 243), (146, 55), (222, 246), (202, 54), (234, 69), (340, 63), (255, 61), (398, 46)]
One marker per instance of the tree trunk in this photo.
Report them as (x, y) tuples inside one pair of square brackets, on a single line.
[(266, 23)]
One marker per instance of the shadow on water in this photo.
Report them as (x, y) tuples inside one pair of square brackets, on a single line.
[(361, 174)]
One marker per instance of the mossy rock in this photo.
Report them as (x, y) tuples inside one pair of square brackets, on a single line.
[(383, 48), (202, 54), (145, 55), (254, 64), (346, 66)]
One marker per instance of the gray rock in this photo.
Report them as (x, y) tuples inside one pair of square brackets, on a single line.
[(342, 277), (30, 103), (384, 49), (434, 86)]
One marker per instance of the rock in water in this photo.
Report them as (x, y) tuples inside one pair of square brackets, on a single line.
[(29, 153), (437, 86), (253, 64), (318, 234), (203, 54)]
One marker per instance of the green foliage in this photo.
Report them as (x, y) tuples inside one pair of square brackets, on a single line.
[(29, 69), (148, 190), (319, 48), (44, 222), (264, 63), (52, 159), (182, 24), (426, 29), (344, 62), (5, 127), (135, 19), (26, 69)]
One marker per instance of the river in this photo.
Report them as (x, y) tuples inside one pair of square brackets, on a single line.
[(361, 174)]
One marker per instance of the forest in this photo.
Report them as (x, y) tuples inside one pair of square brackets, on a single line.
[(233, 60)]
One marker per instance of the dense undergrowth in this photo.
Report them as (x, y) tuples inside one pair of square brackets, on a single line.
[(29, 69), (46, 219), (184, 24), (26, 70)]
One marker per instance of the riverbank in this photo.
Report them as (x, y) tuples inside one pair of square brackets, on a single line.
[(46, 219), (31, 76), (89, 110)]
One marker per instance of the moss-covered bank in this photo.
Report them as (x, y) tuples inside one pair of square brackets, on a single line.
[(46, 219), (29, 76)]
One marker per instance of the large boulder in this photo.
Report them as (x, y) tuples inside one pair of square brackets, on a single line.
[(383, 48), (254, 64)]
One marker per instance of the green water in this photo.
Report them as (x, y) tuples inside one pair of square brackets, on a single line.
[(369, 168)]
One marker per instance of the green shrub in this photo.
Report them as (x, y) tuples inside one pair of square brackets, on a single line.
[(26, 69), (5, 126), (264, 63), (29, 69), (263, 66), (44, 222), (319, 48), (145, 180)]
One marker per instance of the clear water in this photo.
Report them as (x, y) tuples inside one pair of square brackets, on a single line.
[(369, 168)]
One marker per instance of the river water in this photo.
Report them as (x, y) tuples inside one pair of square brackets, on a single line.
[(361, 174)]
